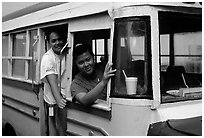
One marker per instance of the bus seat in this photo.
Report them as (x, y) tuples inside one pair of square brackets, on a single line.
[(176, 69), (173, 79)]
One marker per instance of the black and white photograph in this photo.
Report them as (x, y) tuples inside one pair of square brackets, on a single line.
[(103, 68)]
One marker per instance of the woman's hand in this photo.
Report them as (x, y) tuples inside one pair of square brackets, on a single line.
[(108, 72)]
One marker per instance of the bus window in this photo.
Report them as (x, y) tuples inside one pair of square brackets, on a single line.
[(17, 60), (5, 43), (18, 50), (180, 56), (132, 55), (188, 51), (99, 42), (19, 44), (32, 52)]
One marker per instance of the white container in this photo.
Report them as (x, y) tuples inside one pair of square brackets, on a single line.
[(131, 85)]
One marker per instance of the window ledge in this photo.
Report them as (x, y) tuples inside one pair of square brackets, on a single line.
[(101, 104), (133, 102), (100, 108)]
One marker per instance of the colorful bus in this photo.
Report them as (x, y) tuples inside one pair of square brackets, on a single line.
[(160, 44)]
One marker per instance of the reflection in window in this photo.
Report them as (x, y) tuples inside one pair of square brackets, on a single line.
[(130, 42), (19, 44), (18, 68)]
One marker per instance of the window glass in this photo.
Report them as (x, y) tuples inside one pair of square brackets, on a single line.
[(98, 47), (31, 70), (18, 68), (164, 43), (5, 45), (164, 63), (19, 44), (130, 46), (33, 38), (180, 56), (188, 51), (4, 67)]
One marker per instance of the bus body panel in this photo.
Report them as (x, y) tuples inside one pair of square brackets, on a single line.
[(23, 125), (20, 108), (130, 120)]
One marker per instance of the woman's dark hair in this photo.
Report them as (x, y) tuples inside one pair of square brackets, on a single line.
[(81, 48)]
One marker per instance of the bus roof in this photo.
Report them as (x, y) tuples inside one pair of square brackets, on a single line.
[(78, 9)]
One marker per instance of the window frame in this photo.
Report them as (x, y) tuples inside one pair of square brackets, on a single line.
[(171, 24), (147, 59), (26, 58), (100, 108)]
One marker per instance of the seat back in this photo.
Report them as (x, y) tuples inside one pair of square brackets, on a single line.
[(173, 78)]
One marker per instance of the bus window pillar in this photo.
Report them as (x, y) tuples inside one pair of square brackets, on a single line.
[(155, 60)]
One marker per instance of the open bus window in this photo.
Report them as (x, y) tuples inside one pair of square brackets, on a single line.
[(180, 57), (132, 57), (99, 40)]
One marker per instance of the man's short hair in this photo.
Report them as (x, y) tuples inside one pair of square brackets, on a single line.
[(57, 30), (81, 48)]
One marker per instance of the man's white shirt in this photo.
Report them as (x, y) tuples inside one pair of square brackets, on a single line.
[(50, 64)]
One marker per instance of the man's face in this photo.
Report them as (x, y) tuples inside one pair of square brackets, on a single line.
[(56, 42), (85, 63)]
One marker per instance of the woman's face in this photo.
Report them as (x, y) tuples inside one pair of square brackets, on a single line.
[(56, 42), (85, 63)]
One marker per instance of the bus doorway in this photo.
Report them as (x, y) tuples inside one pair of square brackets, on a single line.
[(59, 63)]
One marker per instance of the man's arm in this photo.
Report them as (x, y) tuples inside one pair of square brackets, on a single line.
[(52, 80)]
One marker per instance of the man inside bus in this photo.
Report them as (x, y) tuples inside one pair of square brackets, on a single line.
[(54, 98), (91, 81)]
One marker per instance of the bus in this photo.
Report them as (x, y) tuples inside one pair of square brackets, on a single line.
[(159, 44)]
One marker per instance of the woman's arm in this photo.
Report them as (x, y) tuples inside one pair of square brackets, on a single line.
[(93, 95)]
